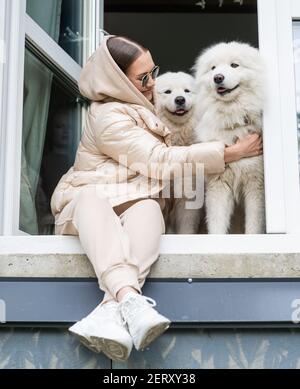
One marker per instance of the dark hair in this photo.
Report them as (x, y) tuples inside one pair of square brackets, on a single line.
[(124, 51)]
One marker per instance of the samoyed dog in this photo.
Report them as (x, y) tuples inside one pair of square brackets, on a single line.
[(230, 81), (175, 101)]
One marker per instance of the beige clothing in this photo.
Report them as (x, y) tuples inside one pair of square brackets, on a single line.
[(124, 157), (121, 244), (125, 150)]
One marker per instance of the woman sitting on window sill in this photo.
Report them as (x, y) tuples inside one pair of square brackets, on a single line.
[(123, 159)]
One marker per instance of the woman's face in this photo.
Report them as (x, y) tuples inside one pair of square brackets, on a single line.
[(142, 65)]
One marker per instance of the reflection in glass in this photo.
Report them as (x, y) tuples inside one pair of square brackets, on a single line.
[(296, 28), (63, 20), (51, 133)]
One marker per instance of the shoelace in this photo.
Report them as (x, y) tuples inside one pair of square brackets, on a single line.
[(133, 304), (114, 312)]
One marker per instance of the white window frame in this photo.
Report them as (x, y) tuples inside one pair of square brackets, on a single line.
[(280, 141), (19, 25), (11, 118), (286, 12), (3, 78)]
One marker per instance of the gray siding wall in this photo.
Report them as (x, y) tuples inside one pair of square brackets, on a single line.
[(177, 348)]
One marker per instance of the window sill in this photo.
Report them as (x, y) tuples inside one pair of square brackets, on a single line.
[(185, 256)]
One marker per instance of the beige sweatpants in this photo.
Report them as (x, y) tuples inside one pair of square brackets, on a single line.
[(121, 242)]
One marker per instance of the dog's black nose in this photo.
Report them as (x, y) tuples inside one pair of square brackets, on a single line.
[(180, 100), (219, 78)]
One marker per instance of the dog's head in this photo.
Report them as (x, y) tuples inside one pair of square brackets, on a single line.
[(227, 70), (174, 96)]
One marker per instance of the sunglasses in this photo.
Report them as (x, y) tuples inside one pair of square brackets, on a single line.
[(154, 73)]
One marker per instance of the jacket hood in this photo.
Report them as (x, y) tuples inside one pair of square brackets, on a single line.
[(102, 80)]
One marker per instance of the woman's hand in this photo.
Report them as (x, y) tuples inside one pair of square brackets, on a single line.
[(249, 146)]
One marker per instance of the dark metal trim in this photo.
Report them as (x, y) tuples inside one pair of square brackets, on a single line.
[(197, 303)]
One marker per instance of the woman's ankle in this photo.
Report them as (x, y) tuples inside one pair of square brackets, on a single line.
[(122, 292)]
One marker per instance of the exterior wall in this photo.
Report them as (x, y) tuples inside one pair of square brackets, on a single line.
[(179, 349)]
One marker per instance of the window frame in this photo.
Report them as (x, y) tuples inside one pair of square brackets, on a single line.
[(3, 36), (50, 49), (19, 28), (11, 121), (282, 203), (286, 13)]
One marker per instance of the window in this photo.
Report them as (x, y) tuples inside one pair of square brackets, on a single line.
[(57, 65), (47, 44), (51, 133), (64, 21)]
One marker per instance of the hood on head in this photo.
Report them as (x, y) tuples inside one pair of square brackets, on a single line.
[(102, 80)]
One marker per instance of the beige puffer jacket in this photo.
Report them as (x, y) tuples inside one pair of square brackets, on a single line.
[(121, 123)]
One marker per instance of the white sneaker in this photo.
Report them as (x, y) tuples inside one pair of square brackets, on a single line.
[(105, 330), (144, 322)]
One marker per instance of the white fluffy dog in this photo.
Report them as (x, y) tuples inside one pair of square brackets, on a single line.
[(175, 99), (230, 82)]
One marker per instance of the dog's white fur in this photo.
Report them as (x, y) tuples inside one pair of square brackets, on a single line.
[(171, 88), (225, 117)]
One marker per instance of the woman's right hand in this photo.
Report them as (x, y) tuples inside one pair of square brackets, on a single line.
[(249, 146)]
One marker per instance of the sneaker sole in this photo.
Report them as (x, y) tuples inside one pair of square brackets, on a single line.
[(152, 334), (86, 342), (112, 349)]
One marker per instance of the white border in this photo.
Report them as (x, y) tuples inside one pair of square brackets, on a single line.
[(171, 244)]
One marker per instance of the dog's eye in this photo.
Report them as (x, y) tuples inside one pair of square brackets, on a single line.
[(187, 91), (235, 65), (213, 68), (168, 92)]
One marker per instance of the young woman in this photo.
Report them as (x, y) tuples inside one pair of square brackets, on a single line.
[(107, 197)]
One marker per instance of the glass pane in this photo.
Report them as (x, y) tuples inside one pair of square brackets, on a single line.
[(296, 26), (51, 134), (63, 20)]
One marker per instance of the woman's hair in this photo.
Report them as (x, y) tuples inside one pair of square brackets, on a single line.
[(124, 51)]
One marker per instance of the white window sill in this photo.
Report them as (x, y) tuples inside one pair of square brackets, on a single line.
[(183, 256)]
